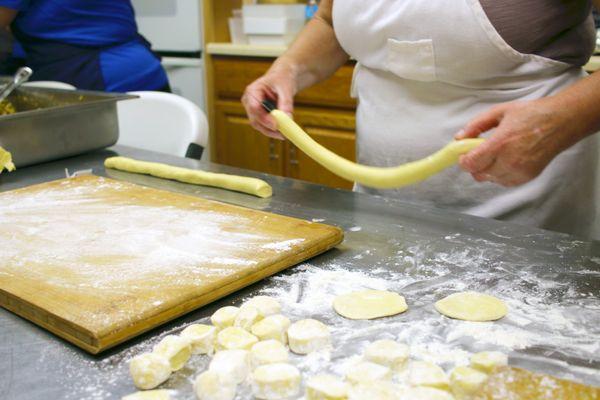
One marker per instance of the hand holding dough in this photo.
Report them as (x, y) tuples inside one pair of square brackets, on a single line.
[(243, 184), (383, 178)]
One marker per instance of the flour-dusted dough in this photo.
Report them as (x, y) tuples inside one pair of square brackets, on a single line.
[(272, 327), (387, 352), (308, 335), (488, 361), (276, 381), (369, 304), (175, 349), (472, 306), (247, 317), (268, 352), (466, 381), (366, 371), (425, 393), (209, 385), (423, 373), (149, 370), (381, 390), (234, 338), (242, 184), (383, 178), (6, 161), (224, 317), (326, 387), (231, 365), (160, 394), (201, 337), (265, 305)]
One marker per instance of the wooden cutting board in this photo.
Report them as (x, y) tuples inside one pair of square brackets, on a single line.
[(98, 261)]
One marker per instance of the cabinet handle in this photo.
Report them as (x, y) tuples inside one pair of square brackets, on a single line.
[(293, 159), (272, 153)]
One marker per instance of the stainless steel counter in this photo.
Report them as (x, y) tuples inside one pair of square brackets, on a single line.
[(550, 281)]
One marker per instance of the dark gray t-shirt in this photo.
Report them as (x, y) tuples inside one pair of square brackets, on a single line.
[(558, 29)]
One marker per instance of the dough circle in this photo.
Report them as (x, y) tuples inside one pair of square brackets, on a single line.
[(149, 370), (201, 337), (253, 186), (269, 352), (308, 335), (224, 317), (232, 366), (472, 306), (369, 304), (272, 327), (210, 386), (276, 381), (235, 338), (382, 178), (175, 349)]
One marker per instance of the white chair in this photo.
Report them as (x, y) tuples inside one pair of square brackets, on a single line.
[(165, 123), (50, 85)]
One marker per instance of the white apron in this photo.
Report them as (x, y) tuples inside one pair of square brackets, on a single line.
[(425, 68)]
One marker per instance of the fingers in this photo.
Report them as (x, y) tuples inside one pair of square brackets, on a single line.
[(259, 118), (480, 158), (483, 123)]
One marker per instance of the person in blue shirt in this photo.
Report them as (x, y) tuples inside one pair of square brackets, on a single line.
[(91, 44)]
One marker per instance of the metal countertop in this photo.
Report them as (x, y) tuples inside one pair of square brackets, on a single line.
[(550, 281)]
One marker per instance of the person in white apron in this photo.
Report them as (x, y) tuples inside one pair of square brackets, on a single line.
[(427, 71)]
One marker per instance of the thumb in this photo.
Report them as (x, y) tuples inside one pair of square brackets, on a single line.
[(482, 157), (482, 123), (285, 100)]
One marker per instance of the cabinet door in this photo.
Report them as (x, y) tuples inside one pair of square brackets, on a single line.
[(239, 145)]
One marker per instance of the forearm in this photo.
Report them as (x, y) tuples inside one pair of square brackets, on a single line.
[(581, 101), (316, 54)]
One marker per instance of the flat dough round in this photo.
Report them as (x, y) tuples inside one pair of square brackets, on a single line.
[(472, 306), (369, 304)]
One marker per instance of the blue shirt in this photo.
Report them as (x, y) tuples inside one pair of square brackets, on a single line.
[(126, 63)]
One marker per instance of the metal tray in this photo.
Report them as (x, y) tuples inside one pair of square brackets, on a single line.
[(51, 124)]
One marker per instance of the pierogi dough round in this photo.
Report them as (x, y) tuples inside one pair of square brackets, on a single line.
[(472, 306), (369, 304)]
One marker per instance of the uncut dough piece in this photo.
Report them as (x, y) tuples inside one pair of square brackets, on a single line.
[(201, 337), (232, 366), (149, 370), (247, 317), (308, 335), (224, 317), (276, 381), (242, 184), (272, 327), (472, 306), (425, 393), (387, 352), (235, 338), (210, 386), (269, 352), (374, 391), (383, 178), (175, 349), (326, 387), (265, 305), (369, 304), (366, 371), (466, 381), (422, 373), (488, 361), (160, 394)]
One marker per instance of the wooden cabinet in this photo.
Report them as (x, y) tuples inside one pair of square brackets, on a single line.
[(325, 111)]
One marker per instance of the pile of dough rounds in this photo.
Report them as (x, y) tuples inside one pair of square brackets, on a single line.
[(248, 345)]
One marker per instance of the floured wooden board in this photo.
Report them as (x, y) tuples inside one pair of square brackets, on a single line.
[(98, 261), (510, 383)]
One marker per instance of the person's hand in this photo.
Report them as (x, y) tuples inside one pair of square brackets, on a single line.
[(278, 84), (527, 136)]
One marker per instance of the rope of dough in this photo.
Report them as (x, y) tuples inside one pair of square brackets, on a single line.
[(236, 183), (6, 161), (382, 178)]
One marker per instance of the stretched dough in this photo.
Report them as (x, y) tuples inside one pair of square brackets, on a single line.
[(472, 306), (6, 161), (253, 186), (369, 304), (382, 178)]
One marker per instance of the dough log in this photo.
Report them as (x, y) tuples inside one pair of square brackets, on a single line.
[(382, 178), (236, 183)]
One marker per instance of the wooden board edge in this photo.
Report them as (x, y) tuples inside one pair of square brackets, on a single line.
[(116, 338)]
